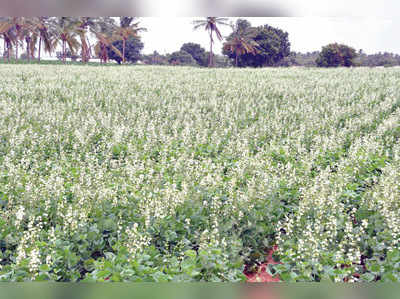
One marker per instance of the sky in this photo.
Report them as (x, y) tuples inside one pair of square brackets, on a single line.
[(306, 34)]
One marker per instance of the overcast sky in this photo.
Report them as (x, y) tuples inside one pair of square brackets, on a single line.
[(370, 33)]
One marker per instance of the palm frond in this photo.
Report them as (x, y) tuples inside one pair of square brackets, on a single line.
[(218, 33)]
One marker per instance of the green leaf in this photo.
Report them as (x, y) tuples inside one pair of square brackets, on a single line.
[(393, 256), (191, 253), (103, 274), (389, 277), (368, 277), (44, 268), (160, 277), (42, 277), (109, 255), (286, 276), (375, 268), (116, 277)]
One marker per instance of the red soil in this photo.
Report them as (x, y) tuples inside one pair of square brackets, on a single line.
[(261, 274)]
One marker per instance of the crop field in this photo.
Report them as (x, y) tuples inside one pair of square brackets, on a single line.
[(143, 173)]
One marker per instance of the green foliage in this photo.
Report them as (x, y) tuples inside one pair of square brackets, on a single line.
[(198, 53), (132, 51), (334, 55), (378, 59), (273, 46), (155, 58), (181, 58)]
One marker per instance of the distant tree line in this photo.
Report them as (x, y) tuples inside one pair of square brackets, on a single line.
[(190, 54), (106, 38), (309, 59), (120, 42), (379, 59)]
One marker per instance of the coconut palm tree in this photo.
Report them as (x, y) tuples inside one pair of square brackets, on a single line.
[(27, 33), (41, 34), (104, 32), (126, 30), (20, 24), (83, 24), (104, 42), (241, 42), (211, 24), (65, 32), (7, 32)]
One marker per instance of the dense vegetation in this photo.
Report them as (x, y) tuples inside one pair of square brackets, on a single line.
[(246, 46), (119, 42), (269, 45), (170, 174), (334, 55)]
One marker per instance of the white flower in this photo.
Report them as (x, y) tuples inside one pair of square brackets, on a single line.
[(19, 215)]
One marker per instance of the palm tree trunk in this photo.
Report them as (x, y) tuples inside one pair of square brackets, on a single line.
[(83, 46), (63, 49), (4, 49), (82, 52), (27, 51), (123, 50), (89, 51), (16, 50), (236, 59), (40, 47), (9, 50), (210, 58), (105, 55)]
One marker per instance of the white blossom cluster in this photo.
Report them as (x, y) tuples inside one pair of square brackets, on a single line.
[(139, 143), (323, 215)]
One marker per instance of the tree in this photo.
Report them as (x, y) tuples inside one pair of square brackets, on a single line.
[(127, 30), (65, 32), (105, 42), (210, 24), (273, 46), (82, 25), (243, 24), (43, 26), (302, 59), (197, 52), (288, 61), (155, 58), (241, 41), (222, 61), (181, 58), (29, 31), (129, 49), (8, 34), (103, 31), (18, 23), (334, 55), (377, 59)]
